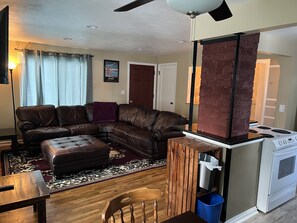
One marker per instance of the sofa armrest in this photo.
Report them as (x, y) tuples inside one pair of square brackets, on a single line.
[(164, 134), (25, 126)]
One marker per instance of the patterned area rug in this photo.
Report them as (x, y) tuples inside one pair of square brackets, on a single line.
[(122, 162)]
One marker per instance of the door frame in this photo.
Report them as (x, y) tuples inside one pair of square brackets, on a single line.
[(155, 80), (261, 110), (159, 85)]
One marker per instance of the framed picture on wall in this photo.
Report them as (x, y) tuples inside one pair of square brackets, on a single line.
[(111, 71)]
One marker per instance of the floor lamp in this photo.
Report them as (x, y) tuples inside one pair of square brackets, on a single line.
[(12, 66)]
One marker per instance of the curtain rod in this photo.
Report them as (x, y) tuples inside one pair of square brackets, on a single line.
[(21, 50)]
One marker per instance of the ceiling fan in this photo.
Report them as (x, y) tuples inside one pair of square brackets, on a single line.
[(218, 9)]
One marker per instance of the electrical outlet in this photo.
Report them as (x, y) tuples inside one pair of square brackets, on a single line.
[(123, 92), (282, 108)]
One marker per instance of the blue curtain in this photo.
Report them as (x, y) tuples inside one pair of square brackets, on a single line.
[(56, 78)]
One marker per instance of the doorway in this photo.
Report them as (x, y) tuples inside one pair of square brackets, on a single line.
[(142, 84), (166, 87), (264, 101)]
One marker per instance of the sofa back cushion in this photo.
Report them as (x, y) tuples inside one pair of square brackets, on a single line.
[(166, 119), (70, 115), (104, 112), (137, 115), (89, 110), (145, 118), (39, 116), (128, 112)]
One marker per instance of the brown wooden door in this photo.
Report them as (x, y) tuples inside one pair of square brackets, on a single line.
[(141, 90)]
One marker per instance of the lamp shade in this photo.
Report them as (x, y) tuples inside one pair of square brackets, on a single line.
[(197, 6), (11, 65)]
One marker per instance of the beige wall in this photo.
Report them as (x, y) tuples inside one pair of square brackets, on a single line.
[(284, 53), (184, 61), (249, 17), (102, 91), (266, 15)]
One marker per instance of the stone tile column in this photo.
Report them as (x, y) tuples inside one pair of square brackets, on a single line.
[(228, 67)]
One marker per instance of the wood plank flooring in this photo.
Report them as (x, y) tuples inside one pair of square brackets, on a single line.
[(85, 204)]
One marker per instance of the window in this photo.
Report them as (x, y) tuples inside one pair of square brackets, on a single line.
[(56, 78), (197, 84)]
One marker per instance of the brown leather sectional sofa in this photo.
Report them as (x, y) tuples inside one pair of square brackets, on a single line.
[(141, 130)]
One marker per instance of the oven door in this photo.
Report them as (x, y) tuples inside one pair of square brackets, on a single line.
[(284, 169)]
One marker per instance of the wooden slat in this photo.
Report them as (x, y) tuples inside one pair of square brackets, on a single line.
[(182, 169), (186, 180), (180, 178)]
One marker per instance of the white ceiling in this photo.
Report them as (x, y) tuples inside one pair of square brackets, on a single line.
[(154, 27)]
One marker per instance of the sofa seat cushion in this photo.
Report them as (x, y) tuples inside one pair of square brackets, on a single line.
[(83, 129), (106, 127), (43, 133), (121, 129), (141, 138), (70, 115)]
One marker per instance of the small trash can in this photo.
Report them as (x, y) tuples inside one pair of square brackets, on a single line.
[(209, 207), (209, 167)]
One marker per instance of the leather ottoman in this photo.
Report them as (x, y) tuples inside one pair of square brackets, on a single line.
[(69, 154)]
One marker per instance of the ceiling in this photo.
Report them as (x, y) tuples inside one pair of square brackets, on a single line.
[(153, 29)]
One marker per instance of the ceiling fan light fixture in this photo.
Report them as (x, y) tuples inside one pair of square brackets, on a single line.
[(194, 7), (192, 14)]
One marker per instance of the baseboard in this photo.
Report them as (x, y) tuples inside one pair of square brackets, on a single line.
[(243, 216)]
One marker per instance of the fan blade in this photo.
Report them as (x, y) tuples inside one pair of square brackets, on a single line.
[(221, 13), (132, 5)]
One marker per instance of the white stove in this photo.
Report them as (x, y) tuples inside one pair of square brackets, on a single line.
[(278, 168), (281, 138)]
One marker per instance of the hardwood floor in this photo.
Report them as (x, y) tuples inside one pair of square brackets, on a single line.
[(85, 204)]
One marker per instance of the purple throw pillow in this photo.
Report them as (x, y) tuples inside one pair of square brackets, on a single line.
[(104, 112)]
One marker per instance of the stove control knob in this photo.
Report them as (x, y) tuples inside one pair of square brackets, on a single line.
[(280, 143), (285, 142)]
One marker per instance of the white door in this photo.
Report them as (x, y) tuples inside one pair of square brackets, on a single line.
[(166, 87)]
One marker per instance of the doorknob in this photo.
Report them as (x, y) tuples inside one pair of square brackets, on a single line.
[(130, 101)]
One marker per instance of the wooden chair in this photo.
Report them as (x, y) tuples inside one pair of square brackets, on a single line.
[(129, 198)]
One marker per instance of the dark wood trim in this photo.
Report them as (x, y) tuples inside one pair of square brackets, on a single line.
[(234, 81), (193, 84), (219, 40)]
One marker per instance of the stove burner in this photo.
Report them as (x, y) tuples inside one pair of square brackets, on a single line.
[(281, 131), (253, 131), (263, 127), (267, 135)]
